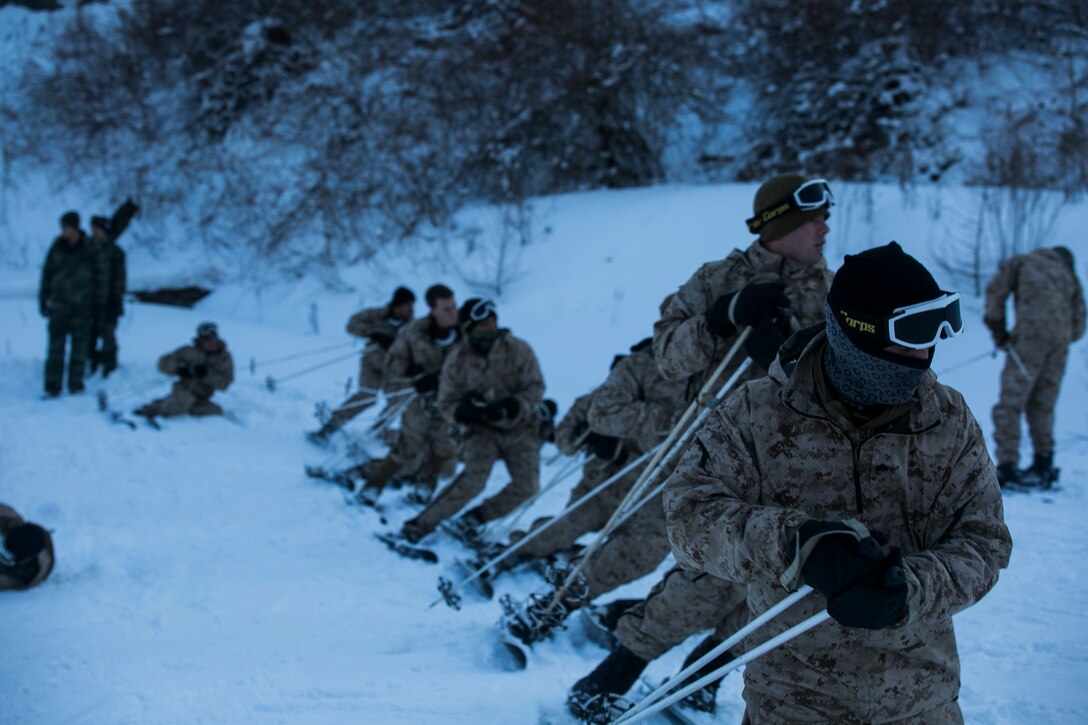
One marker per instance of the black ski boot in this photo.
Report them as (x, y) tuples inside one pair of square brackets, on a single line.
[(542, 615), (467, 528), (1008, 475), (598, 697), (1042, 474), (706, 699), (600, 621)]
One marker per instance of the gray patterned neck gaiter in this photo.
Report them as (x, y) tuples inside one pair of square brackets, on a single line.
[(863, 379)]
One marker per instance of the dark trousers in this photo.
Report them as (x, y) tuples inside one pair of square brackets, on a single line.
[(103, 345), (60, 329)]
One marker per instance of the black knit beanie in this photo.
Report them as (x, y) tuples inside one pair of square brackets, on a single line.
[(877, 282), (70, 219), (402, 296)]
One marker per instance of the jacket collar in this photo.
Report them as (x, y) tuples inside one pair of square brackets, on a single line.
[(765, 260), (799, 391)]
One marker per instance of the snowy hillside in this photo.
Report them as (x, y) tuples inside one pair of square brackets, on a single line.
[(201, 577)]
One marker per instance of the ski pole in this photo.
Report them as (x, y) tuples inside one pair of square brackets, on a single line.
[(577, 444), (271, 382), (725, 669), (391, 414), (254, 364), (1019, 362), (365, 403), (661, 461), (968, 362), (522, 542), (563, 474), (732, 640)]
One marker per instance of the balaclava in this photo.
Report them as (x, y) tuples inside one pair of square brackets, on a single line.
[(480, 340), (875, 282)]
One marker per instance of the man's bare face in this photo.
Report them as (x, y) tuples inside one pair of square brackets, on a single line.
[(70, 233), (444, 312), (805, 244)]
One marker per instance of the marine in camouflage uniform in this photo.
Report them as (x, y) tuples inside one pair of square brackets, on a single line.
[(30, 548), (490, 386), (1050, 315), (633, 411), (782, 272), (425, 448), (773, 287), (202, 368), (778, 489), (68, 295), (572, 435), (379, 326), (112, 276)]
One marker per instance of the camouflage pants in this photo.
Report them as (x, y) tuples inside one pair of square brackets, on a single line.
[(633, 550), (1033, 396), (683, 603), (105, 331), (183, 400), (370, 379), (519, 449), (424, 449), (947, 714), (60, 330), (590, 516)]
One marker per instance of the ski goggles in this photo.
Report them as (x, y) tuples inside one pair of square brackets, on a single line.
[(809, 196), (914, 326), (482, 310)]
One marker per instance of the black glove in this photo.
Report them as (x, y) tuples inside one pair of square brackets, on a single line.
[(759, 301), (470, 410), (200, 371), (580, 429), (765, 339), (831, 555), (747, 307), (605, 448), (382, 340), (546, 410), (501, 410), (1000, 335), (426, 383), (185, 372), (118, 310), (877, 600), (717, 317), (43, 307), (838, 559)]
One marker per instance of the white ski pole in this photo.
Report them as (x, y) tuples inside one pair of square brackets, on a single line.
[(1019, 362), (532, 535), (644, 481), (753, 626), (722, 671), (568, 469)]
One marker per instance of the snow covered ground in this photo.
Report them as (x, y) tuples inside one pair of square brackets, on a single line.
[(201, 578)]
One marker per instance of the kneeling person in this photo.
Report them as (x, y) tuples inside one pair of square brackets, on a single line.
[(202, 368), (491, 387)]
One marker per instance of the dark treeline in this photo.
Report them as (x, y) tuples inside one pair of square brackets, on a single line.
[(360, 122)]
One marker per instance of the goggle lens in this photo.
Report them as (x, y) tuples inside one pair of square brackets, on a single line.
[(814, 194), (926, 327)]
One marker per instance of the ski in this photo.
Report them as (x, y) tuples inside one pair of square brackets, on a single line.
[(338, 478), (399, 546), (464, 569), (673, 713), (510, 654)]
